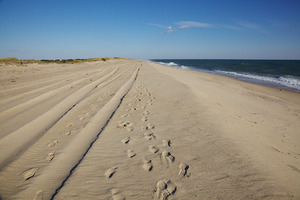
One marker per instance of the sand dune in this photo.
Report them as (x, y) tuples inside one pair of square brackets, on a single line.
[(130, 129)]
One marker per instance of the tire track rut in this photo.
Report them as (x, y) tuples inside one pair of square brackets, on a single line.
[(32, 93), (59, 170), (34, 129), (15, 110)]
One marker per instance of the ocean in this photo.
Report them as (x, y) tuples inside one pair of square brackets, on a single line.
[(282, 74)]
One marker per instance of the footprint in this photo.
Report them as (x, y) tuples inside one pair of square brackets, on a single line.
[(125, 124), (183, 169), (147, 165), (125, 140), (116, 194), (110, 172), (38, 195), (150, 136), (167, 143), (138, 99), (144, 119), (68, 133), (146, 113), (30, 173), (164, 189), (148, 127), (153, 149), (130, 129), (133, 109), (167, 158), (50, 156), (171, 187), (164, 196), (126, 115), (52, 144), (160, 188), (131, 153)]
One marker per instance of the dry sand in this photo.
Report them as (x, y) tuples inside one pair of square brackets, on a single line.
[(130, 129)]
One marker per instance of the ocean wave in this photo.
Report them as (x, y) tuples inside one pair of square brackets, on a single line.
[(169, 64), (184, 67), (295, 83), (289, 81), (172, 64), (284, 82)]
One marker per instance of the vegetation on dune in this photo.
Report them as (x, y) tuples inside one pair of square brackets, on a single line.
[(16, 61), (10, 60), (78, 60)]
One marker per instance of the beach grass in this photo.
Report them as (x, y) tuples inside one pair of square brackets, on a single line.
[(16, 61)]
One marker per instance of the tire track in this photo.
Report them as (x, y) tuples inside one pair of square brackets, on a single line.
[(12, 144), (11, 123), (24, 86), (59, 170), (58, 136), (47, 74), (10, 112), (48, 87)]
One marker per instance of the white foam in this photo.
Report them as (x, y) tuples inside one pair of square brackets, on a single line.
[(184, 67), (291, 82), (172, 64)]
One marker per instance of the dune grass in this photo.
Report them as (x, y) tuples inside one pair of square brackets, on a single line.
[(9, 60), (16, 61)]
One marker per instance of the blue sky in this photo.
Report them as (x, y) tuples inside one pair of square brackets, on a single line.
[(51, 29)]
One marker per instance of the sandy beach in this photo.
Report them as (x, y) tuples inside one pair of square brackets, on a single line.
[(131, 129)]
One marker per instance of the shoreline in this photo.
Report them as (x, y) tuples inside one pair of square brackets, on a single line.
[(199, 135), (257, 79), (247, 84)]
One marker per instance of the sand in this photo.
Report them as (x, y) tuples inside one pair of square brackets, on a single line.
[(131, 129)]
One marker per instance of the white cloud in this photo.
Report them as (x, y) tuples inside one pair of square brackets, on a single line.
[(187, 24), (169, 29), (239, 26), (182, 27)]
